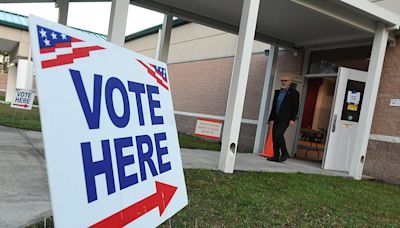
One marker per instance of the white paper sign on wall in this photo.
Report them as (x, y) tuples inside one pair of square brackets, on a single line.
[(108, 124)]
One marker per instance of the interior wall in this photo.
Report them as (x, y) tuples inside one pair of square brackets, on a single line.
[(324, 104)]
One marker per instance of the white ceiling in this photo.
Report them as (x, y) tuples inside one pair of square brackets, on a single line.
[(7, 45), (288, 23), (291, 24)]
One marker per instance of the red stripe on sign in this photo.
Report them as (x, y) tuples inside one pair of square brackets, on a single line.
[(47, 50), (153, 74), (61, 45), (69, 58), (52, 49), (58, 45), (75, 40), (160, 199), (210, 120), (206, 136)]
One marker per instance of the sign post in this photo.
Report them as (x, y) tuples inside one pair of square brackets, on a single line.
[(108, 125)]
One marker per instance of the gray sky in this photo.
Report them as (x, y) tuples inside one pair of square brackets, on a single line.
[(96, 21)]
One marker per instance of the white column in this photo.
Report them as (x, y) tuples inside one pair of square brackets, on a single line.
[(29, 70), (164, 39), (11, 83), (158, 47), (118, 16), (24, 74), (237, 90), (369, 100), (62, 11), (263, 114)]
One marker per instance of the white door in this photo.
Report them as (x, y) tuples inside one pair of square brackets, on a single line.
[(344, 119), (290, 133)]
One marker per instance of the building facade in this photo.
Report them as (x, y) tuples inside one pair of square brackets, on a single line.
[(200, 65)]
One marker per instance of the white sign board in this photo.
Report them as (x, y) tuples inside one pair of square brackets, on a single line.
[(208, 128), (23, 99), (395, 102), (110, 138)]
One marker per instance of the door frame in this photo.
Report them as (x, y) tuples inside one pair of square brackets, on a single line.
[(302, 105)]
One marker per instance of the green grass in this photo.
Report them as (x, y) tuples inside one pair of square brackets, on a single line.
[(251, 199), (26, 119), (192, 142)]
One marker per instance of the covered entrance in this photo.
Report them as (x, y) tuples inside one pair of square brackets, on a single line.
[(296, 25)]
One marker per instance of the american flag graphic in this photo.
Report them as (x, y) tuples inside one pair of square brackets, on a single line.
[(59, 49), (157, 72)]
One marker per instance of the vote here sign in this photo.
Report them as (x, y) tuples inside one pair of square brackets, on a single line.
[(23, 99), (110, 138)]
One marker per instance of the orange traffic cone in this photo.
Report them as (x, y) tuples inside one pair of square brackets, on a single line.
[(268, 148)]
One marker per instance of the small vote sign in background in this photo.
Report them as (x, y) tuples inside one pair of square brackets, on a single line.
[(110, 138), (23, 99)]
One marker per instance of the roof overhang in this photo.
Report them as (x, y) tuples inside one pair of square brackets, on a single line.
[(292, 24)]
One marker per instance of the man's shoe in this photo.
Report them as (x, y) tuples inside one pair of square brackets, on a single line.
[(284, 157), (272, 159)]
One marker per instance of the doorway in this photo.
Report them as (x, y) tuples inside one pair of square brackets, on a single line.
[(316, 115)]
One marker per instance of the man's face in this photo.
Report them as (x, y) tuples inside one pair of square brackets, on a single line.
[(285, 80)]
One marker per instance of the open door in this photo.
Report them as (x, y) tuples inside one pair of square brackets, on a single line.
[(344, 119), (290, 133)]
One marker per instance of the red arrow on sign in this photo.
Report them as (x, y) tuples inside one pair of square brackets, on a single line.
[(22, 105), (160, 199)]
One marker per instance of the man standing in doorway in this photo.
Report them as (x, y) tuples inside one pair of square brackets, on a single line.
[(284, 112)]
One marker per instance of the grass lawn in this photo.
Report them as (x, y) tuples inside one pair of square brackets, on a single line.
[(192, 142), (19, 118), (251, 199)]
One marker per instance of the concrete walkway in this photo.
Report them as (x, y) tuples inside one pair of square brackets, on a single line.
[(24, 192)]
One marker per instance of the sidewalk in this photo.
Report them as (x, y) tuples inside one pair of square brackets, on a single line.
[(24, 192)]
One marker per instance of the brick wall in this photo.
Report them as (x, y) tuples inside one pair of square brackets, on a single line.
[(383, 158), (3, 84), (382, 161), (203, 87), (3, 81)]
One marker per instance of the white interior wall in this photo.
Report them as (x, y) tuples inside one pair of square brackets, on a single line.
[(323, 105)]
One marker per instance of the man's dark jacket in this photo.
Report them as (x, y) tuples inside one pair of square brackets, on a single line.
[(289, 107)]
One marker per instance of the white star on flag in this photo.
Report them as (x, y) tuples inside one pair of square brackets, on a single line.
[(47, 42), (54, 36), (43, 33)]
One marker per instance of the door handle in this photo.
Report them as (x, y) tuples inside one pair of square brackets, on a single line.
[(334, 123)]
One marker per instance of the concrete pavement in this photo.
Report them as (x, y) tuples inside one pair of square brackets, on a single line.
[(24, 192)]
